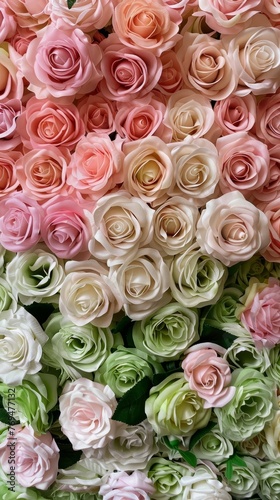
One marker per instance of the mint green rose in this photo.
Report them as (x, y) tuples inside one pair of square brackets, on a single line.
[(243, 353), (252, 406), (174, 409), (166, 476), (7, 297), (224, 310), (245, 480), (273, 369), (270, 480), (213, 446), (256, 267)]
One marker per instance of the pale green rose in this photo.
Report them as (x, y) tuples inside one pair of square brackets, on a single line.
[(272, 437), (7, 297), (32, 400), (273, 369), (201, 483), (270, 480), (35, 276), (256, 267), (213, 446), (167, 333), (196, 279), (84, 476), (252, 406), (224, 309), (124, 368), (75, 350), (166, 476), (245, 480), (19, 493), (243, 353), (174, 409)]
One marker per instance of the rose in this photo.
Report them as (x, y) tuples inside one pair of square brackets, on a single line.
[(206, 66), (228, 18), (88, 295), (32, 400), (271, 190), (21, 40), (232, 229), (97, 113), (174, 225), (244, 481), (267, 128), (243, 163), (195, 166), (130, 72), (65, 228), (167, 333), (272, 438), (243, 353), (223, 312), (8, 494), (255, 55), (85, 14), (120, 485), (203, 483), (256, 267), (270, 479), (174, 409), (36, 458), (11, 84), (188, 113), (252, 406), (120, 223), (123, 369), (86, 410), (272, 212), (45, 123), (8, 179), (8, 23), (273, 369), (235, 113), (208, 374), (142, 281), (7, 296), (252, 447), (148, 169), (196, 279), (35, 275), (29, 15), (270, 9), (86, 475), (166, 476), (61, 64), (171, 79), (42, 172), (9, 112), (214, 447), (145, 25), (20, 222), (96, 166)]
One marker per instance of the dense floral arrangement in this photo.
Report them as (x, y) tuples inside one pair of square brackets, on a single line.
[(140, 249)]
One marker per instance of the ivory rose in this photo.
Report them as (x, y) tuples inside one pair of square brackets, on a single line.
[(84, 14), (232, 229), (235, 113), (228, 17), (272, 212)]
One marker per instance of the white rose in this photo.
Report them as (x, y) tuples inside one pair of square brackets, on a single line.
[(84, 14), (203, 484)]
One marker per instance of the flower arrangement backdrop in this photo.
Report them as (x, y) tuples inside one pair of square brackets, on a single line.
[(140, 249)]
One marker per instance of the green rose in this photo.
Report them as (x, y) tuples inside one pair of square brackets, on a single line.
[(270, 480), (256, 267), (84, 476), (174, 409), (252, 447), (166, 476), (273, 369), (224, 309), (167, 333), (213, 446), (7, 298), (244, 481), (252, 406), (243, 353)]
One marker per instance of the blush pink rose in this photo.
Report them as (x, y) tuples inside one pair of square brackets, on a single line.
[(98, 114), (29, 14), (11, 83), (243, 163), (267, 126), (61, 64), (42, 172), (129, 72), (209, 375), (261, 316), (272, 212), (121, 485), (20, 222), (171, 78), (146, 25), (235, 114), (8, 24), (271, 189), (271, 9), (65, 228), (96, 166), (22, 39), (45, 123), (228, 17), (8, 178), (84, 14), (9, 112), (36, 457)]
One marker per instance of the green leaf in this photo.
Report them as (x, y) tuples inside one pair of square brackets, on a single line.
[(229, 470), (197, 436), (6, 418), (233, 460), (70, 3), (131, 407), (171, 444), (68, 456), (122, 325), (189, 457), (212, 334)]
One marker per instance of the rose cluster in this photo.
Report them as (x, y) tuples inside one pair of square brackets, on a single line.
[(139, 249)]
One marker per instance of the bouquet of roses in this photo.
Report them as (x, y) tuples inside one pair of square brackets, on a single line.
[(139, 249)]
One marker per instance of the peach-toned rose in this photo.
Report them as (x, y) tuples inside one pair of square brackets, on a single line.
[(272, 212), (148, 169), (8, 23), (11, 84), (42, 172), (8, 178), (243, 163), (96, 166), (45, 123), (171, 78), (235, 113), (84, 14), (206, 65), (98, 114), (29, 14), (208, 374), (271, 189), (188, 113), (271, 9), (20, 222), (129, 72), (228, 17), (65, 228), (146, 25), (232, 229), (268, 124), (9, 112)]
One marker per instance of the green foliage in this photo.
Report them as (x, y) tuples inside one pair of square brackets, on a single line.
[(131, 407), (70, 3)]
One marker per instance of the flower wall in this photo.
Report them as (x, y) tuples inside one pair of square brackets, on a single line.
[(139, 249)]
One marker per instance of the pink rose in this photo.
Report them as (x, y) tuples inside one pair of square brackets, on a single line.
[(8, 178), (120, 486), (65, 228), (98, 114), (208, 374), (42, 172), (29, 14), (171, 78), (96, 166), (45, 123), (22, 39), (228, 17), (146, 25), (235, 114), (267, 126), (61, 64), (20, 222), (84, 14), (9, 112), (272, 212), (129, 72), (271, 188), (243, 163), (8, 23), (271, 10), (36, 457), (86, 410), (11, 84), (261, 316)]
